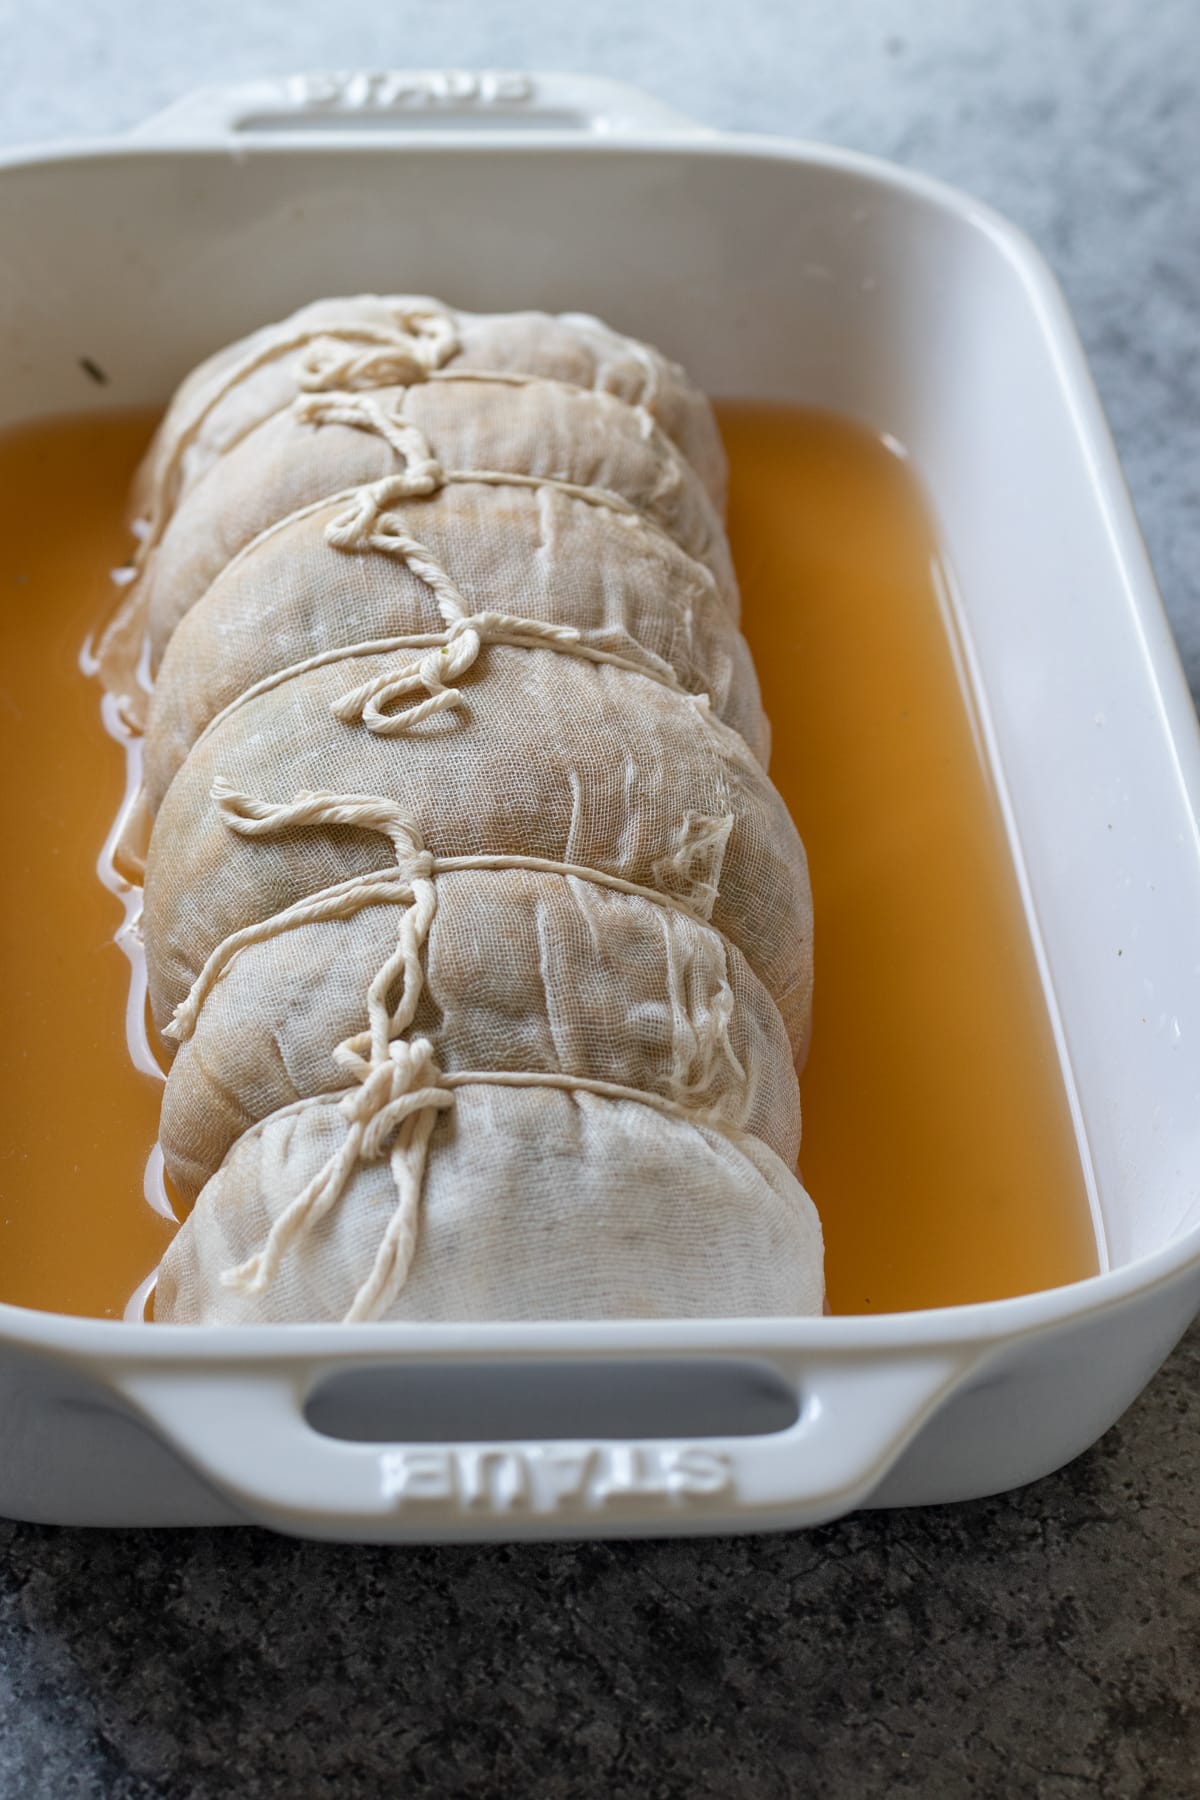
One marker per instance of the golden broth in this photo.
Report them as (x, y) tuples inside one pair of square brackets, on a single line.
[(937, 1139), (80, 1120), (938, 1142)]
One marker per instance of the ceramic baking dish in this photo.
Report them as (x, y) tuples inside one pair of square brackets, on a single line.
[(775, 269)]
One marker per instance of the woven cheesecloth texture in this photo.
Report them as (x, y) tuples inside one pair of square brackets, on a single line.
[(480, 935)]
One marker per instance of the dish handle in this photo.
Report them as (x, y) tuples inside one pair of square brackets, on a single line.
[(245, 1429), (403, 103)]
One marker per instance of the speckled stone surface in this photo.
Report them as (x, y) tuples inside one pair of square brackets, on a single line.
[(1047, 1642)]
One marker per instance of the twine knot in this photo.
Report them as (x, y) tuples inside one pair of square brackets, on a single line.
[(433, 673), (422, 340), (404, 1083), (392, 1109), (419, 475)]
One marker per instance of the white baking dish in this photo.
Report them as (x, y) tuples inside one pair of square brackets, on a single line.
[(774, 269)]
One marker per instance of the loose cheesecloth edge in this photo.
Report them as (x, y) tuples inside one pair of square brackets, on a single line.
[(483, 941)]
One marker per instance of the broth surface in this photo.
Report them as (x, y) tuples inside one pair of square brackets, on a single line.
[(938, 1143), (80, 1120)]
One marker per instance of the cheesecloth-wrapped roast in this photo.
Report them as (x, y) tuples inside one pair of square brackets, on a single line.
[(482, 938)]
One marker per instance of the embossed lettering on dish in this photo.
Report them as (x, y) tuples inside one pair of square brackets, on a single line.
[(541, 1478), (394, 90)]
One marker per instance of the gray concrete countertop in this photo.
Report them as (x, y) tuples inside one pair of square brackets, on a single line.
[(1045, 1642)]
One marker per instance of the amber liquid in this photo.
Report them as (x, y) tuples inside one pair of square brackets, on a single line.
[(937, 1138), (79, 1119)]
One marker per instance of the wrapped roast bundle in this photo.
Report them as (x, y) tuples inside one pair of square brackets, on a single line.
[(482, 939)]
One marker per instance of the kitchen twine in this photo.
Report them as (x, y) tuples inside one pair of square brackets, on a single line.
[(393, 1110), (400, 1089), (367, 525), (419, 340)]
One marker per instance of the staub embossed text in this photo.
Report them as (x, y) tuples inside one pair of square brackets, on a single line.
[(396, 90), (542, 1478)]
